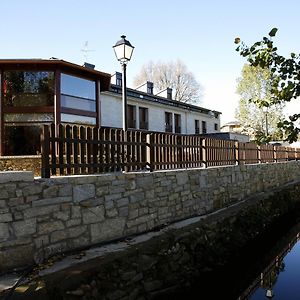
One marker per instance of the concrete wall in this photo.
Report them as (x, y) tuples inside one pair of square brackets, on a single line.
[(40, 217), (111, 115)]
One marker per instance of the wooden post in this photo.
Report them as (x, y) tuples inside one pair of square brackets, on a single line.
[(236, 153), (259, 154), (204, 153), (149, 151), (45, 151)]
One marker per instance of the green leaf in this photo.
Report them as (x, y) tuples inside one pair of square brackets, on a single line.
[(273, 32)]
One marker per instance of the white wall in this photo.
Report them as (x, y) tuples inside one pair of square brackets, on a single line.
[(111, 114)]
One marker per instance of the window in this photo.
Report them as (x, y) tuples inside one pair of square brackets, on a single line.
[(143, 116), (78, 100), (77, 103), (197, 127), (168, 122), (131, 116), (22, 140), (204, 129), (177, 119), (25, 88), (216, 127), (78, 87)]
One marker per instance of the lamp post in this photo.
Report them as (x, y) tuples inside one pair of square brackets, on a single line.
[(265, 110), (123, 51)]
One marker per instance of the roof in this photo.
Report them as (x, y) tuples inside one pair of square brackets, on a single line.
[(158, 99), (53, 64)]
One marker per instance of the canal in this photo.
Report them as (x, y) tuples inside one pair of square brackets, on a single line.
[(268, 269)]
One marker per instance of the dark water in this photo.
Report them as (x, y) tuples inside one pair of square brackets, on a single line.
[(268, 267), (281, 279)]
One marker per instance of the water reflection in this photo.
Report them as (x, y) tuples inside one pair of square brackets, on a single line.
[(280, 279)]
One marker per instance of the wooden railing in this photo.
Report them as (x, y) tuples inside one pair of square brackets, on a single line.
[(70, 149)]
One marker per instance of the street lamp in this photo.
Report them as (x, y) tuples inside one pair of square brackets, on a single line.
[(265, 110), (123, 51)]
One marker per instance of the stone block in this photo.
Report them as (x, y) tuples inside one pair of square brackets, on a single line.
[(3, 193), (101, 191), (32, 189), (76, 212), (41, 241), (51, 191), (73, 222), (4, 232), (133, 213), (51, 226), (93, 214), (16, 257), (7, 217), (138, 196), (108, 230), (62, 215), (122, 202), (65, 190), (15, 201), (111, 213), (15, 176), (51, 201), (58, 236), (76, 231), (113, 197), (182, 177), (123, 211), (83, 192), (2, 203), (145, 182), (26, 227), (40, 211)]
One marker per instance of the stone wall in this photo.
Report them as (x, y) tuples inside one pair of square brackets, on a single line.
[(41, 217)]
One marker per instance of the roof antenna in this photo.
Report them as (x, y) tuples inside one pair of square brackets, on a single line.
[(86, 50)]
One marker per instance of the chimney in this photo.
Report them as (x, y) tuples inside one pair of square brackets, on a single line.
[(89, 66), (117, 79), (166, 93), (146, 87)]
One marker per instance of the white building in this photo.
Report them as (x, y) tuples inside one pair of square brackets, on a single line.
[(147, 111)]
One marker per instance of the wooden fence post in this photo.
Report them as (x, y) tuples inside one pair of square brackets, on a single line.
[(236, 151), (259, 154), (204, 156), (45, 151), (149, 151)]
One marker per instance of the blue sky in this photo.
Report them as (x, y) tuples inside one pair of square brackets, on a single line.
[(198, 32)]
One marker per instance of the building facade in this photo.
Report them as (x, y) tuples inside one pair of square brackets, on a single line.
[(35, 92), (159, 112)]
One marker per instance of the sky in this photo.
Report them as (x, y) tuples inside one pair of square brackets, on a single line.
[(199, 33)]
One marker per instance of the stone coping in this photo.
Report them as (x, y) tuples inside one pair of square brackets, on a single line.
[(15, 176)]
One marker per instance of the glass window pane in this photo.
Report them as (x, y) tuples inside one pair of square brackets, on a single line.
[(22, 88), (67, 118), (28, 117), (78, 103), (22, 140), (79, 87)]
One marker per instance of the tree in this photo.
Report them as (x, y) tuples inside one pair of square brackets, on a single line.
[(254, 87), (171, 75), (285, 75)]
